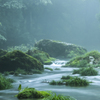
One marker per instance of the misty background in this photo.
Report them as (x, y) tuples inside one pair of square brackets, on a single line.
[(71, 21)]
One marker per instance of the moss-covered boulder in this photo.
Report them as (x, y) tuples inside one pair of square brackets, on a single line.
[(42, 56), (84, 60), (17, 59), (60, 49), (2, 52)]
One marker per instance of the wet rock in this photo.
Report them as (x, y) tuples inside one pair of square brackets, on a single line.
[(42, 56), (17, 59), (60, 49)]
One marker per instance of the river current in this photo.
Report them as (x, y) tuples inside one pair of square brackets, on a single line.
[(37, 81)]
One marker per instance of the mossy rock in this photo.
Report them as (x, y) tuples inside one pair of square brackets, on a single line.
[(2, 52), (59, 49), (84, 61), (42, 56), (32, 93), (17, 59)]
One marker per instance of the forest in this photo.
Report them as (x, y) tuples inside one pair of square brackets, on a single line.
[(49, 49), (72, 21)]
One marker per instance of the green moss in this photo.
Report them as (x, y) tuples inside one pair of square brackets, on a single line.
[(83, 61), (75, 81), (5, 83), (43, 57), (17, 59), (54, 96), (60, 49), (32, 93), (89, 71), (49, 68)]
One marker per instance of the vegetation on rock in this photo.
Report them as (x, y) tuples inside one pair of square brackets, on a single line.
[(84, 61), (5, 83), (32, 93), (87, 71), (60, 49), (17, 59), (70, 81), (42, 56), (48, 68)]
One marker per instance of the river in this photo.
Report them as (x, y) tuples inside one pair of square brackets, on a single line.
[(91, 92)]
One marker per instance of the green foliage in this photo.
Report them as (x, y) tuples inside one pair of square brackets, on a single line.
[(75, 81), (83, 61), (66, 77), (2, 52), (12, 60), (6, 73), (43, 57), (5, 83), (49, 68), (89, 71), (70, 81), (53, 82), (32, 93), (57, 68), (54, 96), (34, 71), (20, 87)]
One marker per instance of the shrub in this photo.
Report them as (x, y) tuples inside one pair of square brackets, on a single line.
[(59, 83), (66, 77), (77, 82), (53, 82), (88, 72), (6, 73), (34, 71), (77, 71), (53, 96), (5, 83)]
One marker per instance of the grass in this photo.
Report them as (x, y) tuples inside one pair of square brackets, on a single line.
[(48, 68), (88, 71), (54, 96), (5, 83), (70, 81), (76, 81), (83, 61)]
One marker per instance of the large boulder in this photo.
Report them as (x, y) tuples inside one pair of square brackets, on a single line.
[(60, 49), (42, 56), (17, 59)]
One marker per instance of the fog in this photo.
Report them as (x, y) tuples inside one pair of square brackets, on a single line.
[(72, 21)]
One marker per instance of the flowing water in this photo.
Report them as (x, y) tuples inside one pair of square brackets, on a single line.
[(37, 81)]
